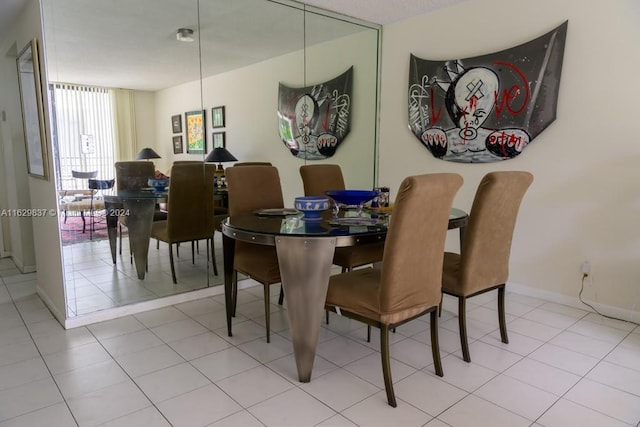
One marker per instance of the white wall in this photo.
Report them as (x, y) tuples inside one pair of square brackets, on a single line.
[(247, 93), (33, 241), (584, 203)]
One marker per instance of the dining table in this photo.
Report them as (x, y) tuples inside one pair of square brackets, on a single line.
[(139, 207), (305, 250)]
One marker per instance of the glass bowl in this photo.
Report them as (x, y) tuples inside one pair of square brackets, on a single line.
[(351, 197)]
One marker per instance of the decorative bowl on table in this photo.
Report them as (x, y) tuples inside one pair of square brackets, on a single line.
[(159, 185), (311, 206), (351, 197)]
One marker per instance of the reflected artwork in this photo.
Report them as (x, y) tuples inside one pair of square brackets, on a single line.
[(313, 121)]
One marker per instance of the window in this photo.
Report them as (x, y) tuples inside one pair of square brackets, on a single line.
[(84, 134)]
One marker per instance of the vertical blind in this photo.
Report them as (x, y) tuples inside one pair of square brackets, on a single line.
[(85, 136)]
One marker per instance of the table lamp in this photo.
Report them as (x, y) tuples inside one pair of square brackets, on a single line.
[(146, 154), (219, 155)]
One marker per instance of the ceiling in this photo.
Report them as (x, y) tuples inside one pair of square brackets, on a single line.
[(133, 51)]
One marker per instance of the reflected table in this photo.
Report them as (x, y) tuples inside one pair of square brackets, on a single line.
[(138, 207), (305, 255)]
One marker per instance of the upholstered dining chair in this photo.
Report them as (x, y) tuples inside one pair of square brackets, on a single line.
[(316, 180), (253, 187), (483, 262), (132, 176), (189, 209), (408, 284)]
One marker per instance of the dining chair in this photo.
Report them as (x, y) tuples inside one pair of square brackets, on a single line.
[(133, 176), (408, 283), (189, 210), (97, 187), (316, 180), (250, 188), (483, 262)]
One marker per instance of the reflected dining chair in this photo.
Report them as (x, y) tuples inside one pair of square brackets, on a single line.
[(253, 187), (189, 210), (408, 284), (483, 262), (97, 187)]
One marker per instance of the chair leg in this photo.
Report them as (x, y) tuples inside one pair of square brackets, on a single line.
[(173, 268), (368, 333), (267, 312), (386, 365), (440, 307), (193, 253), (281, 297), (120, 238), (462, 322), (326, 316), (435, 346), (501, 315), (84, 222)]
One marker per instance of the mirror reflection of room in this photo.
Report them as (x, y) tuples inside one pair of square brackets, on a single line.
[(108, 115)]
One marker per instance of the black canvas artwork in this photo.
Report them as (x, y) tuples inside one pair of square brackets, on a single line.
[(313, 121), (486, 108)]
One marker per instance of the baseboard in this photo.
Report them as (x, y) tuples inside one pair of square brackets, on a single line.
[(24, 269), (126, 310), (50, 305), (574, 301)]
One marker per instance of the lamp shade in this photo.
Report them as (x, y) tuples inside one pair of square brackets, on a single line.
[(147, 153), (219, 155)]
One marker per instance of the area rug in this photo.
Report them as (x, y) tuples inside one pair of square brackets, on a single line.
[(71, 230)]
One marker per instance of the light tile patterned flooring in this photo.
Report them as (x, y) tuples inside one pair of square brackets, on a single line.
[(93, 284), (176, 366)]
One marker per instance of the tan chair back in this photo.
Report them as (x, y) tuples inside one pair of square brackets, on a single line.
[(486, 247), (253, 164), (190, 203), (317, 179), (253, 187), (133, 175), (411, 273)]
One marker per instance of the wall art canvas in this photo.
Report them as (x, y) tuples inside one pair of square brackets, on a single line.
[(486, 108), (194, 122), (314, 120)]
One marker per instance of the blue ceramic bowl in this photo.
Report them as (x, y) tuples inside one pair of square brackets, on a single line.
[(311, 206), (351, 197), (159, 185)]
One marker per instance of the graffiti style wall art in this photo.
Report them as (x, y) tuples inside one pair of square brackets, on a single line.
[(486, 108), (313, 121)]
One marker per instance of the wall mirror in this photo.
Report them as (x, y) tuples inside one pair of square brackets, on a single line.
[(122, 66)]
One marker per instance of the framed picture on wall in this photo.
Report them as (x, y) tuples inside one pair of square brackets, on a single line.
[(176, 123), (217, 117), (177, 144), (32, 110), (196, 140), (218, 139)]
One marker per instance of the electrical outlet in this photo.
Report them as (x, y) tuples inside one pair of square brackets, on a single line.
[(586, 269)]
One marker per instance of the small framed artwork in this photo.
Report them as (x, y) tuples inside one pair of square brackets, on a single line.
[(176, 123), (177, 144), (217, 117), (32, 110), (218, 139), (196, 140)]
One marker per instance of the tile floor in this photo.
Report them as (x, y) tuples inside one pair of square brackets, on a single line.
[(176, 366), (92, 284)]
